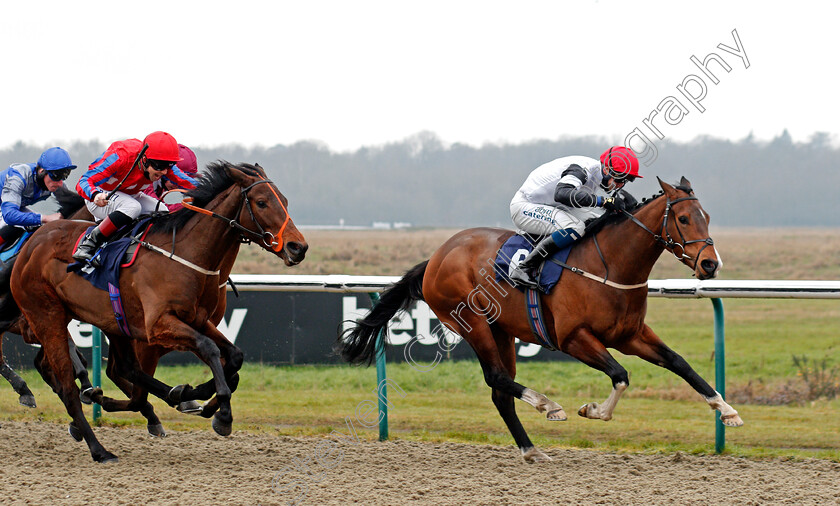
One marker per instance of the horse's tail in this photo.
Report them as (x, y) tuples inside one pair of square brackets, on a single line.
[(9, 310), (358, 343), (69, 201)]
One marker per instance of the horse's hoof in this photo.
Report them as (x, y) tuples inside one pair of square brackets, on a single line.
[(174, 396), (556, 415), (533, 455), (221, 428), (582, 411), (107, 458), (27, 400), (91, 395), (156, 430), (209, 409), (190, 408), (732, 420), (589, 411), (75, 433)]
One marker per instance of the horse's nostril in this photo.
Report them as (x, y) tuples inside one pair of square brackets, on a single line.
[(709, 266), (297, 249)]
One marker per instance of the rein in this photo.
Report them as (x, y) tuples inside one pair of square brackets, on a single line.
[(664, 237), (271, 241)]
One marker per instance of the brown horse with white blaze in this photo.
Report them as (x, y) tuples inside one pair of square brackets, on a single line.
[(584, 317), (169, 299)]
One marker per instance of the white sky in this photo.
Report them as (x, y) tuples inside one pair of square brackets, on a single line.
[(370, 72)]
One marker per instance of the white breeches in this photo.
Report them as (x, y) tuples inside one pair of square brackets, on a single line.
[(130, 205), (541, 219)]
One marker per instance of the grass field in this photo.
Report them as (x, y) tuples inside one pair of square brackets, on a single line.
[(658, 413)]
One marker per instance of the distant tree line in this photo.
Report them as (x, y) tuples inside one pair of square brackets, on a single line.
[(777, 183)]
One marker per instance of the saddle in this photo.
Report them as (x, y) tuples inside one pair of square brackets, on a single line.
[(11, 250), (124, 241), (516, 248), (119, 252)]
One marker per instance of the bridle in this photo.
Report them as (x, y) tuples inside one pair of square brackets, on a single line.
[(274, 242), (664, 237)]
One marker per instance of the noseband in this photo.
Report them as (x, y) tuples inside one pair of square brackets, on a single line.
[(271, 241), (664, 237)]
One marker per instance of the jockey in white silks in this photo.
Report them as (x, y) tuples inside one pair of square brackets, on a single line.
[(559, 196)]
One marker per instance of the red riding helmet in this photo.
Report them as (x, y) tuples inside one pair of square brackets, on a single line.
[(188, 162), (162, 146), (621, 160)]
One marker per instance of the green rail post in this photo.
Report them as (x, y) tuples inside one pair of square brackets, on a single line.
[(97, 369), (381, 388), (720, 373)]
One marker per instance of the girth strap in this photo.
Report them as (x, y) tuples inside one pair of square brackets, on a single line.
[(173, 256), (533, 307)]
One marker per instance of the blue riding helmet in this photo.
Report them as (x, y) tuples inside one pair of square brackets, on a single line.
[(57, 163)]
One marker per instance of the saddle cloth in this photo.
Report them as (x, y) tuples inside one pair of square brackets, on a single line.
[(112, 257), (11, 250), (516, 249)]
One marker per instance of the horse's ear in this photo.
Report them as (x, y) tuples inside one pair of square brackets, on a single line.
[(238, 175), (665, 186), (685, 182)]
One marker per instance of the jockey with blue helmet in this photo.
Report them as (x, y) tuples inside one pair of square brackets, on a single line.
[(558, 197), (24, 184)]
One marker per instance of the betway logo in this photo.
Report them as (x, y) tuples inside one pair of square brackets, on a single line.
[(415, 322), (82, 333)]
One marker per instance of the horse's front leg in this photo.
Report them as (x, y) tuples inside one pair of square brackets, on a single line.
[(647, 345), (584, 346), (233, 359), (169, 331)]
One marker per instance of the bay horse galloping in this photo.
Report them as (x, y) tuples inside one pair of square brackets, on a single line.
[(583, 317), (72, 206), (169, 298)]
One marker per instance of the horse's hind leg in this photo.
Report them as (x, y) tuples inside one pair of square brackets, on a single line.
[(25, 395), (498, 377), (53, 336), (138, 397), (80, 371), (585, 347), (648, 346), (504, 401)]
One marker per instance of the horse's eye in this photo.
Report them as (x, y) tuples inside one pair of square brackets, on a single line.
[(262, 204), (683, 220)]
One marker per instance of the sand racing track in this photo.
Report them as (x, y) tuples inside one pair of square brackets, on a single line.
[(41, 464)]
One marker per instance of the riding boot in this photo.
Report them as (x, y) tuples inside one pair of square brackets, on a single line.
[(523, 273), (87, 248), (92, 241), (8, 235)]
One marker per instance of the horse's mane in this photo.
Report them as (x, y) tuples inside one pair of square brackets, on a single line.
[(211, 182), (595, 225), (68, 201)]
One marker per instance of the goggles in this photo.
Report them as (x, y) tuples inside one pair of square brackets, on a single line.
[(161, 165), (59, 175)]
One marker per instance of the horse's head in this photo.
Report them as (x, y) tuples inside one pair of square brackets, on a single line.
[(685, 230), (264, 212)]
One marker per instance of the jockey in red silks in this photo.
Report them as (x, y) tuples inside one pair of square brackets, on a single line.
[(559, 196), (114, 184)]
